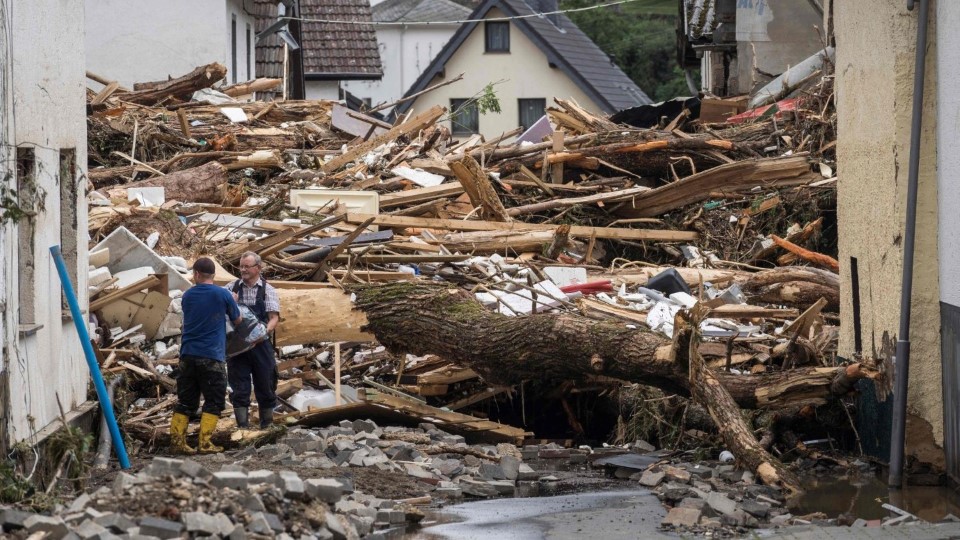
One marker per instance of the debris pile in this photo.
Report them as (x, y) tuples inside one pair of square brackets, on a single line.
[(577, 217)]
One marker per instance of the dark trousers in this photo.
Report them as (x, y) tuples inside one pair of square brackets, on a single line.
[(201, 377), (258, 364)]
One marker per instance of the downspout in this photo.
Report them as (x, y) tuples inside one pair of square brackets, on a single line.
[(902, 358)]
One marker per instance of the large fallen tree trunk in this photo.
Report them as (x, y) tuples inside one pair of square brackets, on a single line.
[(204, 184), (422, 318)]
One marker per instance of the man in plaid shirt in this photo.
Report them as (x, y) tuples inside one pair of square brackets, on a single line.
[(258, 363)]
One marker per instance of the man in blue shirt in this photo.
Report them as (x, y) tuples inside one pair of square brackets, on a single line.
[(202, 358)]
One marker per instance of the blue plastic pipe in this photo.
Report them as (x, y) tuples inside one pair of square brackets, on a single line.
[(81, 323)]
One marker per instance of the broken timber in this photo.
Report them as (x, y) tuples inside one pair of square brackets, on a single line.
[(612, 233)]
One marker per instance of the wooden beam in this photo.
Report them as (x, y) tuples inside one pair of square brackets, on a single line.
[(483, 395), (413, 196), (148, 283), (476, 225), (415, 124), (478, 187)]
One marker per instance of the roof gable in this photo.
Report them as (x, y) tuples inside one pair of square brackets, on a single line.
[(339, 51), (566, 48), (419, 11)]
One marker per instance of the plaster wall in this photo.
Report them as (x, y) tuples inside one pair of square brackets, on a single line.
[(48, 94), (322, 90), (142, 40), (522, 73), (406, 52), (773, 35), (874, 87)]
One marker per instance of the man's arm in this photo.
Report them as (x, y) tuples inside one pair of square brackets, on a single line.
[(272, 320), (233, 312)]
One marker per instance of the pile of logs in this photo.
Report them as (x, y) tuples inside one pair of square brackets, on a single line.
[(395, 232)]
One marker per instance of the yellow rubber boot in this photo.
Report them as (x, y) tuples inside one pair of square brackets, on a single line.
[(178, 435), (208, 424)]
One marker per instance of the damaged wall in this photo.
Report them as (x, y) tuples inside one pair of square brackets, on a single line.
[(874, 65), (44, 360), (525, 73)]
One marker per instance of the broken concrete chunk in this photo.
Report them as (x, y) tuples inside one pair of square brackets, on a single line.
[(681, 517), (327, 490), (51, 526), (229, 479), (651, 478), (161, 528)]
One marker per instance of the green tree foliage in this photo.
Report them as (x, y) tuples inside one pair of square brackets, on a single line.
[(643, 44)]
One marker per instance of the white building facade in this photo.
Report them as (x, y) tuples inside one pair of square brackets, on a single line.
[(132, 41), (43, 160)]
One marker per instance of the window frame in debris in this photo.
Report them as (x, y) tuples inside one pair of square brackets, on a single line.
[(69, 199), (27, 196), (521, 105), (250, 76), (496, 37), (233, 48), (470, 125)]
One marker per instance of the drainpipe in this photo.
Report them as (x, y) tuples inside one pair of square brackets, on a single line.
[(902, 358)]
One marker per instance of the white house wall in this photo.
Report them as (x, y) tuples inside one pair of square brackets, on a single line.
[(144, 40), (322, 89), (406, 52), (522, 74), (49, 115)]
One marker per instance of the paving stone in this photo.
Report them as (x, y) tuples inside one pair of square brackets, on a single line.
[(258, 524), (230, 479), (651, 478), (253, 503), (362, 524), (52, 526), (271, 451), (194, 469), (78, 504), (473, 487), (681, 517), (698, 470), (721, 503), (163, 466), (755, 509), (366, 426), (337, 526), (238, 533), (274, 521), (261, 477), (115, 522), (696, 504), (161, 528), (90, 529), (233, 467), (318, 462), (448, 492), (781, 520), (201, 523), (325, 489), (526, 472), (503, 487), (676, 474), (552, 453), (291, 485), (490, 471), (13, 519), (123, 482), (510, 466)]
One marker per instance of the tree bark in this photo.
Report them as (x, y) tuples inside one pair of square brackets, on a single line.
[(204, 184), (181, 87), (423, 318)]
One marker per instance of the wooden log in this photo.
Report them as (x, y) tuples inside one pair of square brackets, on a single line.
[(181, 87), (627, 148), (818, 259), (318, 315), (730, 178), (621, 233), (478, 187), (708, 390), (256, 85), (204, 184), (425, 318), (620, 195)]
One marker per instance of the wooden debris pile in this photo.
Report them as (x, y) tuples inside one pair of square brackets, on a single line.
[(589, 218)]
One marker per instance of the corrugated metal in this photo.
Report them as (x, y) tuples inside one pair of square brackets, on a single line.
[(950, 357)]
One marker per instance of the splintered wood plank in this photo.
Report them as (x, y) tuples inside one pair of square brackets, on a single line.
[(478, 187), (477, 225), (415, 124), (419, 195), (483, 395), (443, 418)]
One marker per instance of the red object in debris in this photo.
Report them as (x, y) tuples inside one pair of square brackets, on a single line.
[(591, 287), (784, 105)]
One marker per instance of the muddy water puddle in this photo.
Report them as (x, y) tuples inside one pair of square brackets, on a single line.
[(862, 496)]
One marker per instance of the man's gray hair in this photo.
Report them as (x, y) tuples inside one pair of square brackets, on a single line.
[(256, 258)]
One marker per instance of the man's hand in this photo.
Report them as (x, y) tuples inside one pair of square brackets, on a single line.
[(236, 297)]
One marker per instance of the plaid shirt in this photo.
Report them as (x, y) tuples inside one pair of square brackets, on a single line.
[(248, 295)]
